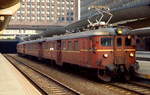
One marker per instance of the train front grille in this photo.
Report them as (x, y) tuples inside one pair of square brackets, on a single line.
[(119, 60)]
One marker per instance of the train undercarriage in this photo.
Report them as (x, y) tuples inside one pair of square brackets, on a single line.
[(117, 72)]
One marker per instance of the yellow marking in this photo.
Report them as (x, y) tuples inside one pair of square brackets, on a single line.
[(98, 50), (128, 93), (70, 51), (122, 91), (84, 50), (105, 50), (46, 50), (107, 86), (129, 49), (119, 50)]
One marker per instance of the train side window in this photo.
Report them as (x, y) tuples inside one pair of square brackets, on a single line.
[(106, 41), (34, 47), (30, 48), (69, 45), (55, 46), (63, 45), (128, 41), (46, 45), (76, 45), (119, 42)]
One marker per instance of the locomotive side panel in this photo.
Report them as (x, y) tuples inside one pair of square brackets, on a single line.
[(86, 52), (67, 52), (104, 46), (20, 49), (78, 51), (46, 50), (33, 49), (50, 50)]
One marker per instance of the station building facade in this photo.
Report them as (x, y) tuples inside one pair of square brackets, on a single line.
[(37, 14), (46, 12), (112, 4)]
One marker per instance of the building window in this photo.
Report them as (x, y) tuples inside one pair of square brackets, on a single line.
[(62, 13), (52, 18), (13, 17), (70, 19), (61, 18), (53, 1)]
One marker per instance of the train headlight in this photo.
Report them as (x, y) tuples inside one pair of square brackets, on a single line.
[(131, 55), (105, 55), (119, 31)]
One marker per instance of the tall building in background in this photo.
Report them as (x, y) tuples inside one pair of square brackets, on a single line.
[(112, 4), (40, 15), (46, 12)]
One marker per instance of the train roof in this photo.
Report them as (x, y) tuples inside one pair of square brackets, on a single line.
[(32, 41), (90, 33), (98, 32)]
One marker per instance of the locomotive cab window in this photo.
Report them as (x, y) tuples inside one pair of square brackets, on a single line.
[(119, 42), (128, 41), (106, 41)]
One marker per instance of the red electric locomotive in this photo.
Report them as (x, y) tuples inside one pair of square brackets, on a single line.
[(111, 51)]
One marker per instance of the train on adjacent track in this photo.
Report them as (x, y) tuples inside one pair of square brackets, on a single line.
[(109, 51)]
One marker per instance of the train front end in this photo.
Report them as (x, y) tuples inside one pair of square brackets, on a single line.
[(116, 55)]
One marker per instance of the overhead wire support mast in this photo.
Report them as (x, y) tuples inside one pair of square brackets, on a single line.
[(101, 17)]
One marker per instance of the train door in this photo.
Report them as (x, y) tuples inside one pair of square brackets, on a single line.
[(59, 53), (119, 53), (90, 43), (23, 47)]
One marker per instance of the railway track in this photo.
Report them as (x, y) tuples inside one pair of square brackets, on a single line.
[(129, 88), (137, 88), (57, 88)]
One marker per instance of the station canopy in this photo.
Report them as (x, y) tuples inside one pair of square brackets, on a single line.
[(141, 31), (7, 9)]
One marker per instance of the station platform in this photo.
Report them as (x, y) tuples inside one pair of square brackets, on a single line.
[(144, 70), (143, 58), (12, 82), (145, 55)]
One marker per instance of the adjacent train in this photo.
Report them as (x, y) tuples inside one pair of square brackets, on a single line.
[(109, 51)]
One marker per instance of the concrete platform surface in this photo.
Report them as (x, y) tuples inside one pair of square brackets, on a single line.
[(144, 70), (143, 54), (12, 82)]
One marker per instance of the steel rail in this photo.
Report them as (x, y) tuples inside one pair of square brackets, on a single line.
[(137, 88), (49, 77), (43, 92)]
